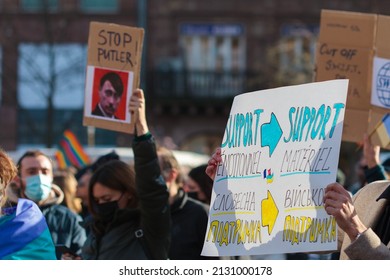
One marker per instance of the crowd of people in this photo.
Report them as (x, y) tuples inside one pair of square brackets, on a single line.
[(114, 210)]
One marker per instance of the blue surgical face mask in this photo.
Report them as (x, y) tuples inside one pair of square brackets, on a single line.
[(38, 187)]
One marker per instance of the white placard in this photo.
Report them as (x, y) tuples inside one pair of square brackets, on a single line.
[(380, 90), (280, 149)]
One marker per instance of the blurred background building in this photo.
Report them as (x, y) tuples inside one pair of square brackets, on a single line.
[(198, 54)]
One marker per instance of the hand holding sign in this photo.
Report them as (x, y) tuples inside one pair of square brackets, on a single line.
[(137, 111), (213, 163), (338, 203)]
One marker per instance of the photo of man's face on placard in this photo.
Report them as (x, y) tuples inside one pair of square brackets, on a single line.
[(107, 93)]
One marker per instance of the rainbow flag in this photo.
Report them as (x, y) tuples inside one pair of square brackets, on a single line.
[(24, 233), (71, 152), (62, 161), (381, 135)]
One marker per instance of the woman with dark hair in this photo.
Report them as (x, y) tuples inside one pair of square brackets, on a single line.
[(130, 210), (198, 184), (112, 187)]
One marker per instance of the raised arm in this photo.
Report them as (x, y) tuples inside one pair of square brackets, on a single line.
[(152, 190), (374, 170), (137, 110)]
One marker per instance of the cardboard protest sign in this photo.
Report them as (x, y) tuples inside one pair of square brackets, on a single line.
[(113, 72), (351, 46), (280, 149)]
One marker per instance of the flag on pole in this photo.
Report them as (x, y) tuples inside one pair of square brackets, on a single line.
[(381, 134), (71, 152), (62, 161)]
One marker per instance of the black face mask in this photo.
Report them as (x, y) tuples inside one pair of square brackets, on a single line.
[(193, 195), (107, 210)]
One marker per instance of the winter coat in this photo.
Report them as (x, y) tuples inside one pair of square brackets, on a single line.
[(65, 227), (142, 233), (368, 245), (189, 225)]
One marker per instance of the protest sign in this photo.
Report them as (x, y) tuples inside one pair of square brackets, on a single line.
[(280, 149), (355, 46), (113, 72)]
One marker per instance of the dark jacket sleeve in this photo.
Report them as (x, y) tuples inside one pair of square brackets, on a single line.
[(153, 195), (376, 173), (78, 235), (65, 227)]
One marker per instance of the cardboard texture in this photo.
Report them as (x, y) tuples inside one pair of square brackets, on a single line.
[(383, 42), (116, 49), (347, 45), (357, 71), (355, 123)]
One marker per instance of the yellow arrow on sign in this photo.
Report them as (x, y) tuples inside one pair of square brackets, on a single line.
[(269, 212)]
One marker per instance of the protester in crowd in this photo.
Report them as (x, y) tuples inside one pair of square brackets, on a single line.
[(369, 168), (35, 182), (189, 216), (23, 229), (130, 210), (374, 169), (83, 176), (198, 185), (66, 180)]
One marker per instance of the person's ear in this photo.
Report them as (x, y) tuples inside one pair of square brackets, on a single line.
[(16, 182), (172, 175)]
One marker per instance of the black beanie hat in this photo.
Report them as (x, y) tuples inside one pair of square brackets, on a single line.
[(104, 159)]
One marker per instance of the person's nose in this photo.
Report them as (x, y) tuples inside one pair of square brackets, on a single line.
[(111, 100)]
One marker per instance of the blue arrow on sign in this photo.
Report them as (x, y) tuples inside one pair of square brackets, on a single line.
[(271, 133)]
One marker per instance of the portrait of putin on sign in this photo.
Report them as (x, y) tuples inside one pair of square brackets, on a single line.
[(109, 98)]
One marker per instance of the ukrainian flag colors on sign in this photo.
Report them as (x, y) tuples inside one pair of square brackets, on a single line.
[(381, 133)]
